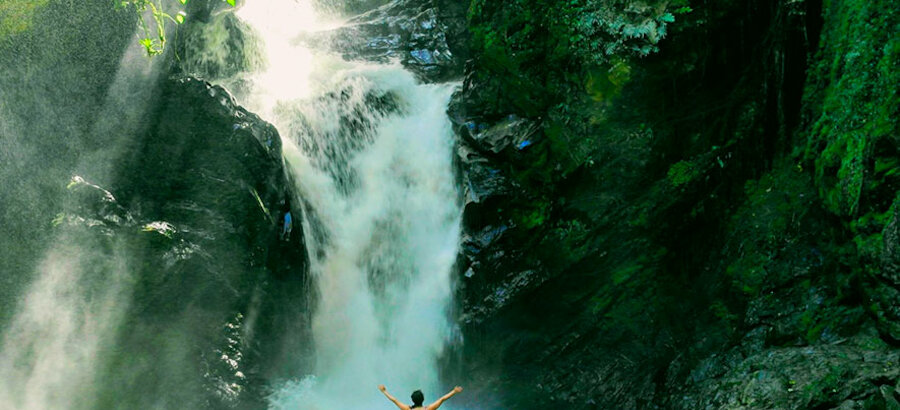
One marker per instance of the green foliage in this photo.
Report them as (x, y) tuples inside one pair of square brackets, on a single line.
[(519, 38), (152, 39), (592, 47), (153, 31), (721, 311), (603, 85), (533, 214), (867, 231), (854, 92), (621, 275), (566, 243), (591, 31), (681, 173), (16, 15)]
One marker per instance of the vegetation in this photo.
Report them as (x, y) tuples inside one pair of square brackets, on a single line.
[(590, 41), (688, 183), (709, 192), (153, 29), (16, 15), (855, 108)]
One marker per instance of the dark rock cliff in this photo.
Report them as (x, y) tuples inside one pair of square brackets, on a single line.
[(197, 202), (167, 178), (679, 204), (172, 196)]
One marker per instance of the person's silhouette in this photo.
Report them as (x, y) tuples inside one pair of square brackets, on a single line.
[(418, 398)]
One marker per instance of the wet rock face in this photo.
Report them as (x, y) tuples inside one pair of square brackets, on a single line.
[(484, 154), (670, 305), (495, 271), (511, 133), (427, 38), (853, 375), (203, 151), (198, 203), (207, 9), (885, 290)]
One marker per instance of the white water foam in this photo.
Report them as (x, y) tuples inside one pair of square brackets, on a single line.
[(382, 219)]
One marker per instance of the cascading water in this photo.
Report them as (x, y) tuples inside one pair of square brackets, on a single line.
[(371, 150), (151, 285)]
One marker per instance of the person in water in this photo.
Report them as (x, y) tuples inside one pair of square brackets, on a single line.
[(418, 398)]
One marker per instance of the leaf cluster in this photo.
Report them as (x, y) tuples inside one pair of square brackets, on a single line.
[(153, 29)]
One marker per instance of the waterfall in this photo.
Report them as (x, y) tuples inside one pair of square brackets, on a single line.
[(371, 150)]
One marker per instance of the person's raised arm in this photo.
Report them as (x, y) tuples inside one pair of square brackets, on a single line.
[(441, 400), (391, 398)]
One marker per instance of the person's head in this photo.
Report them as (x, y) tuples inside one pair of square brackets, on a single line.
[(417, 398)]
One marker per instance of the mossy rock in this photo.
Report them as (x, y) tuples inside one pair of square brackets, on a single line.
[(853, 93)]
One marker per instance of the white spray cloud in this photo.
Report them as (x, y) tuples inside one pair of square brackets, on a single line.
[(69, 314), (52, 349)]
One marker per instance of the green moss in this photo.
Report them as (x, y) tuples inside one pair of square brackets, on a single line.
[(603, 85), (721, 311), (623, 274), (566, 243), (17, 16), (532, 214), (853, 92), (887, 166), (681, 173), (766, 226), (590, 41), (868, 234)]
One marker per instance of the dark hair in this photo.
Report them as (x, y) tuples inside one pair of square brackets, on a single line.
[(417, 398)]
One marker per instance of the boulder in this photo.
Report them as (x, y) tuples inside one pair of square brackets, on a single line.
[(93, 207), (197, 203)]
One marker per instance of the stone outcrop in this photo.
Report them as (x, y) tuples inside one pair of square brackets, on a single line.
[(427, 37), (648, 229), (198, 201)]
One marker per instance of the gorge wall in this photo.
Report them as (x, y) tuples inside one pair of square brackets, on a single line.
[(668, 203), (680, 204)]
